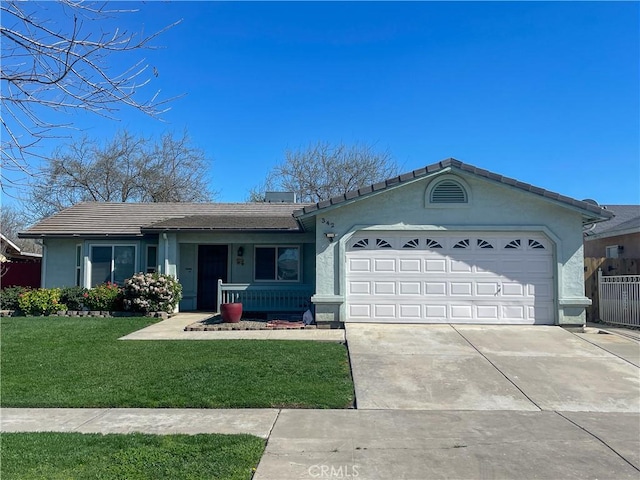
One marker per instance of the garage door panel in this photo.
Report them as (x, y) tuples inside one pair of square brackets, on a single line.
[(468, 284), (510, 289), (410, 265), (359, 265), (384, 311), (410, 311), (461, 312), (487, 265), (459, 266), (384, 265), (487, 312), (384, 288), (359, 311), (538, 266), (435, 312), (409, 288), (461, 288), (435, 265), (435, 288), (511, 267), (487, 289), (513, 312), (359, 288)]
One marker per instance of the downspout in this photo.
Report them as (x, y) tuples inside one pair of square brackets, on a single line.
[(43, 264), (166, 253)]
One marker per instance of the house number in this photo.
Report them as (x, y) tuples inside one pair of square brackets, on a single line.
[(331, 224)]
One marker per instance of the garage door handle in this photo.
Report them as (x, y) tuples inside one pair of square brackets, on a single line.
[(498, 291)]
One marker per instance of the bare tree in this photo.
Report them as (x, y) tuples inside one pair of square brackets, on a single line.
[(323, 170), (12, 221), (126, 169), (50, 68)]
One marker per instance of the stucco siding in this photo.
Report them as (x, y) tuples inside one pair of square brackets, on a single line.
[(492, 207), (59, 263)]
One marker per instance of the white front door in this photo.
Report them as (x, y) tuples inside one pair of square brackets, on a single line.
[(450, 277)]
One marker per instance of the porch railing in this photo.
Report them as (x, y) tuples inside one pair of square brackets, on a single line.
[(266, 298), (619, 297)]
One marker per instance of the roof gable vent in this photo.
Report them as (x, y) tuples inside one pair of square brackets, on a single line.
[(448, 191)]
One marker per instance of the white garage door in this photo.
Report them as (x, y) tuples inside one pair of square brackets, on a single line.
[(438, 277)]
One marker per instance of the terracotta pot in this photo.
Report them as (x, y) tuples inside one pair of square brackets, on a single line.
[(231, 312)]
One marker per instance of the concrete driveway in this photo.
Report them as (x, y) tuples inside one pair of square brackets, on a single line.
[(471, 402), (526, 368)]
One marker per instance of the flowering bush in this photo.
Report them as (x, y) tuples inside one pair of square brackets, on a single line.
[(43, 301), (10, 296), (105, 297), (73, 297), (151, 292)]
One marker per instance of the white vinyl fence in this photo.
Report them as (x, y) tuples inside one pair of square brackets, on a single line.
[(619, 299)]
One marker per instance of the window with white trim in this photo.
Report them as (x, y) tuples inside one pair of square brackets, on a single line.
[(152, 259), (112, 263), (277, 263)]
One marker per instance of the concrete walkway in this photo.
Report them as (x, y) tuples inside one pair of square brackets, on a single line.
[(387, 444), (258, 421), (420, 445), (173, 329)]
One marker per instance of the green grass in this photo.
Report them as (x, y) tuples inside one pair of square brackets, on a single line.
[(78, 362), (67, 456)]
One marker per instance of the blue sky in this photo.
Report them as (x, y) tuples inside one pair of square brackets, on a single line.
[(546, 92)]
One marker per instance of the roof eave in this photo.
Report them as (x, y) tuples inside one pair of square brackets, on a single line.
[(590, 213), (612, 233), (212, 229), (37, 235)]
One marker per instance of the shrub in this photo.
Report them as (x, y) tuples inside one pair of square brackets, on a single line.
[(43, 301), (105, 297), (73, 297), (151, 292), (10, 296)]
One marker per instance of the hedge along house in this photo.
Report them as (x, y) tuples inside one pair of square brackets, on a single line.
[(449, 243)]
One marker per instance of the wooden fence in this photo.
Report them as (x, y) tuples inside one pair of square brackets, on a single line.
[(609, 266)]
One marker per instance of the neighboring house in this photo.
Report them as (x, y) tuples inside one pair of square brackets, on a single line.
[(18, 267), (449, 243), (617, 238)]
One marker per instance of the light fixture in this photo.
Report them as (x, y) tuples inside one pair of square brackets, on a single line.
[(330, 236), (240, 251)]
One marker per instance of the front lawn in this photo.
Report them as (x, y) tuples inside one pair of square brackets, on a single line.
[(67, 456), (78, 362)]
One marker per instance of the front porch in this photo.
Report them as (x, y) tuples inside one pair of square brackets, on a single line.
[(266, 298)]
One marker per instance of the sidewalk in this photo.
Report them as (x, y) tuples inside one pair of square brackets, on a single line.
[(162, 421), (384, 444), (173, 329)]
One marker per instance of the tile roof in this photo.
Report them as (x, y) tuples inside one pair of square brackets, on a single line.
[(226, 222), (452, 163), (127, 219)]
